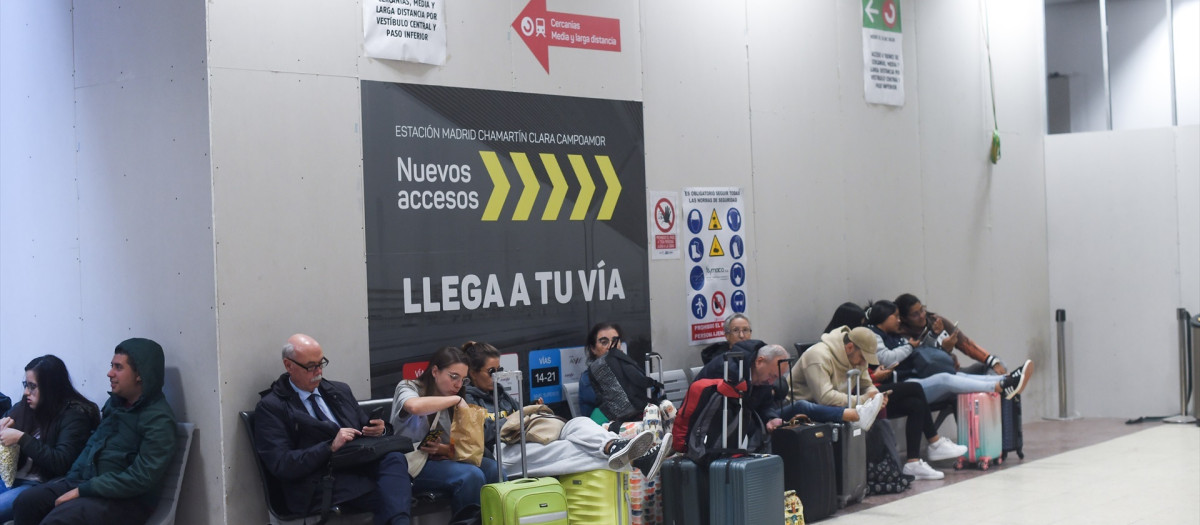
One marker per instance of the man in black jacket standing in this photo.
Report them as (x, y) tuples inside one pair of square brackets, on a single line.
[(303, 419)]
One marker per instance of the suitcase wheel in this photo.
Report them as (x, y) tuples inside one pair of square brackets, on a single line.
[(984, 464), (999, 460), (958, 464)]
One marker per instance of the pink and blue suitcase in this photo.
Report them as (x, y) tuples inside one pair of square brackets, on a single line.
[(979, 429)]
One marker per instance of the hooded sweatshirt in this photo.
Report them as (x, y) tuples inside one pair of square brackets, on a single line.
[(130, 451), (820, 374)]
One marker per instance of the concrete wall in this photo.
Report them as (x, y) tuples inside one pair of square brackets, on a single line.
[(108, 204), (40, 310)]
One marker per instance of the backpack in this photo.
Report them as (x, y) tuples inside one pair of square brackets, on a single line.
[(700, 421)]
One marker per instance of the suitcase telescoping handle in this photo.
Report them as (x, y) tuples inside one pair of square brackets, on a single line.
[(730, 356), (650, 368), (853, 373), (520, 419)]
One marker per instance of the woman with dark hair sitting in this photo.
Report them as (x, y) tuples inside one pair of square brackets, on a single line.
[(424, 408), (51, 424), (616, 385), (580, 446), (918, 327)]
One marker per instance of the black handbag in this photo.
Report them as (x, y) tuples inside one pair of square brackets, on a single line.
[(369, 449)]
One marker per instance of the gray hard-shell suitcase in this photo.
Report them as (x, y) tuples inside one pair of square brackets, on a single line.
[(745, 489), (850, 451)]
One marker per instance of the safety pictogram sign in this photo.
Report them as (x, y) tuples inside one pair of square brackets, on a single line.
[(716, 250), (716, 220), (664, 217), (713, 222)]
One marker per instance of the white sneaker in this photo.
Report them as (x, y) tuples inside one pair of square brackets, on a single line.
[(945, 449), (867, 412), (921, 470)]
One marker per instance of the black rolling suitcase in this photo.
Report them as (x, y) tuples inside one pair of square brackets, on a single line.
[(850, 452), (684, 486), (806, 449), (1010, 428), (807, 453)]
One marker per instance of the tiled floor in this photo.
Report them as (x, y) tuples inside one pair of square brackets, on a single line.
[(1096, 471)]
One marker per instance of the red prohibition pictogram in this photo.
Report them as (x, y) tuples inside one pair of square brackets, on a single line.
[(718, 303), (664, 215)]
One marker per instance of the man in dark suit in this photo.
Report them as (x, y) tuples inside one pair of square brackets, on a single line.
[(303, 419)]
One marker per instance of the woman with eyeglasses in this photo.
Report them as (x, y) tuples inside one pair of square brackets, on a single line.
[(51, 424), (484, 359), (617, 386), (423, 409), (581, 445)]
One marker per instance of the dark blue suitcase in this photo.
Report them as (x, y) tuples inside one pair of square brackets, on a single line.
[(1013, 437), (746, 490), (682, 481)]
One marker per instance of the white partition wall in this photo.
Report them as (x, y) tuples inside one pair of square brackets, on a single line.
[(1122, 226)]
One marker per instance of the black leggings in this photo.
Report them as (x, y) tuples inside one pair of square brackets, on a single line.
[(908, 399)]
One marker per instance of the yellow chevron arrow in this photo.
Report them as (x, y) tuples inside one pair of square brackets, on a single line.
[(586, 187), (614, 188), (529, 194), (560, 187), (500, 185)]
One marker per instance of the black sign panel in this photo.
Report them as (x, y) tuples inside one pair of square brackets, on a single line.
[(509, 218)]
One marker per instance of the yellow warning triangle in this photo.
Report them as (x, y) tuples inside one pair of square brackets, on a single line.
[(716, 250), (714, 223)]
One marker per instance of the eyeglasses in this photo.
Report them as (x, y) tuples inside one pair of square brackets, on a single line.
[(493, 370), (741, 331), (29, 385), (604, 341), (310, 368)]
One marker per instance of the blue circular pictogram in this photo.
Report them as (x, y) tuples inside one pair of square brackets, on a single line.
[(697, 278), (699, 306), (695, 221), (737, 301), (737, 274), (736, 248), (696, 250), (733, 219)]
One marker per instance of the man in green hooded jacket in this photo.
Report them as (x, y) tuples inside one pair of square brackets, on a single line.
[(118, 474)]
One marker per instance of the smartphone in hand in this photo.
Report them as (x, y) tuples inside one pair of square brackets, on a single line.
[(432, 437)]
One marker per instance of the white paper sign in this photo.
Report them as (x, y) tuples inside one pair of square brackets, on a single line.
[(663, 224), (410, 30), (883, 52)]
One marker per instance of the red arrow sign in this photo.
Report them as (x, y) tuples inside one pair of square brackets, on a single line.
[(541, 29)]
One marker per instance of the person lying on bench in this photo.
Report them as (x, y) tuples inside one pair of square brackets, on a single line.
[(580, 446)]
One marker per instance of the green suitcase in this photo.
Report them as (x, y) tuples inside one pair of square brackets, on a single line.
[(597, 496), (525, 500)]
